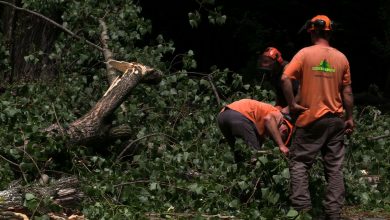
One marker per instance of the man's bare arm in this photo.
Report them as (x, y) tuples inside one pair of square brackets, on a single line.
[(348, 106), (348, 101), (289, 95), (271, 127)]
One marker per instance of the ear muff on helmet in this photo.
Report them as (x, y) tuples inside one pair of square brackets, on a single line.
[(288, 122), (319, 22), (273, 53)]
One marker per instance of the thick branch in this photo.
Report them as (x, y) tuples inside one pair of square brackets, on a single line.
[(96, 124), (53, 23), (111, 76)]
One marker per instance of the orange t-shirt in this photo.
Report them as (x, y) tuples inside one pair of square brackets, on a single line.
[(254, 111), (322, 72)]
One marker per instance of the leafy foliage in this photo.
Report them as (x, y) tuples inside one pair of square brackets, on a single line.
[(176, 160)]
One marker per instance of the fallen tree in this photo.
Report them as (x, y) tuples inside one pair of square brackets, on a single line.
[(96, 124)]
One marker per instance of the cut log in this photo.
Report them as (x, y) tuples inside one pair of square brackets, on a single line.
[(63, 192)]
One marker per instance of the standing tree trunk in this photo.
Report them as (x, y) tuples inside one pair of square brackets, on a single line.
[(26, 34)]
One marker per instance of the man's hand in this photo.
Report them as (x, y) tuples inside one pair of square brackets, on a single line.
[(284, 149), (296, 108), (349, 126)]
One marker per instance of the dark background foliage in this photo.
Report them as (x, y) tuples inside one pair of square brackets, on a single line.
[(362, 33)]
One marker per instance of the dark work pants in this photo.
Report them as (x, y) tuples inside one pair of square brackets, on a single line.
[(235, 125), (326, 135)]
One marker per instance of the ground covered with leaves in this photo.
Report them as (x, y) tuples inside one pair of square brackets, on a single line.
[(176, 164)]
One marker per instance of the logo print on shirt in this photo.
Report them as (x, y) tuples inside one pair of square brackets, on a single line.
[(324, 67)]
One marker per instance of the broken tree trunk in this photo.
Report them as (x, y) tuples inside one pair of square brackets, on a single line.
[(96, 124), (63, 192)]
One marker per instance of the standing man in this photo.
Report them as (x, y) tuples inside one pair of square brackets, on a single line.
[(271, 64), (325, 98)]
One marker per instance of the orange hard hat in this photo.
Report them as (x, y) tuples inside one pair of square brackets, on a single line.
[(274, 54), (319, 22)]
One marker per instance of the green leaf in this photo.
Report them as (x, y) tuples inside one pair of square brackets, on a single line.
[(173, 91), (195, 188), (204, 82), (29, 196), (221, 19), (263, 160), (243, 185), (193, 23), (153, 186), (292, 213), (234, 204), (286, 173)]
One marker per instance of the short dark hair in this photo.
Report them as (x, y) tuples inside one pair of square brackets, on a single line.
[(322, 34)]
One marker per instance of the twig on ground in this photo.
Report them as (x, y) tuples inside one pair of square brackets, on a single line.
[(378, 137), (254, 190)]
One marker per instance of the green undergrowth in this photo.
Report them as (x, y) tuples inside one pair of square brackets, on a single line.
[(176, 162)]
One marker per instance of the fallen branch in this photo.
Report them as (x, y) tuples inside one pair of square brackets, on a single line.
[(254, 190), (169, 215), (13, 215), (214, 89), (108, 55), (378, 137), (107, 52), (53, 23)]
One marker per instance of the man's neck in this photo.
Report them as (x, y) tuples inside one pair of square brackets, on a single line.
[(321, 42)]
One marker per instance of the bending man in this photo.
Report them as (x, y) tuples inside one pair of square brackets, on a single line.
[(253, 121)]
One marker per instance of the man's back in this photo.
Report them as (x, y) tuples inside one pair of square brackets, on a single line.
[(322, 71)]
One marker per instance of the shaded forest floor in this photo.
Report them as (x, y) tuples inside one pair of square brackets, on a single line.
[(355, 213)]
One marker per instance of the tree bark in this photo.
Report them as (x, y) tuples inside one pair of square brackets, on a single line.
[(96, 125), (27, 34), (63, 192)]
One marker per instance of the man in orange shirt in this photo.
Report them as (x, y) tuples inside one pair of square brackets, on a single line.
[(271, 66), (252, 121), (325, 106)]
